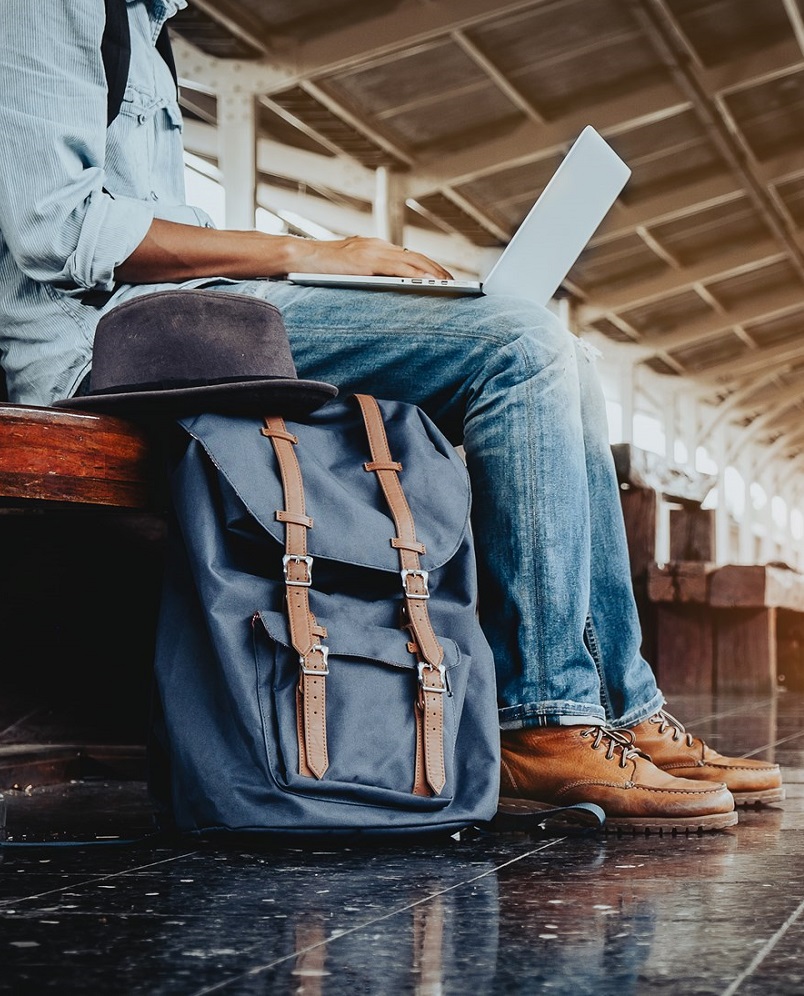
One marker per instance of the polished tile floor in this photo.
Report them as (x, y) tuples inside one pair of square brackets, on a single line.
[(718, 914)]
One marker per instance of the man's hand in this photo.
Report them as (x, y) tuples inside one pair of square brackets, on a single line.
[(365, 257)]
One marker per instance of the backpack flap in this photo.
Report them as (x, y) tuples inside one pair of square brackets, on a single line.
[(352, 524)]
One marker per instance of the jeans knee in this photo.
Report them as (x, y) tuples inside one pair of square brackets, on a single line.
[(527, 340)]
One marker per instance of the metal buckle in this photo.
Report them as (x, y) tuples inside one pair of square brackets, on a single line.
[(424, 666), (424, 575), (311, 670), (297, 560)]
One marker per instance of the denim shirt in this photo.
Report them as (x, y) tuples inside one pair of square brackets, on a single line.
[(76, 198)]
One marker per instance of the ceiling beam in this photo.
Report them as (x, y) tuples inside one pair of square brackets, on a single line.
[(748, 363), (237, 21), (499, 79), (684, 199), (744, 258), (753, 69), (730, 405), (375, 39), (690, 198), (341, 173), (788, 299), (288, 62), (531, 142), (662, 29)]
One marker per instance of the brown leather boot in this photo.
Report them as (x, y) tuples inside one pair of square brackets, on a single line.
[(679, 753), (557, 765)]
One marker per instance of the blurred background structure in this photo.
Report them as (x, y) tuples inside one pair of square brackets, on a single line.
[(437, 122)]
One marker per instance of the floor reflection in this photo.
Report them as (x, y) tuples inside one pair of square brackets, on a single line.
[(716, 914)]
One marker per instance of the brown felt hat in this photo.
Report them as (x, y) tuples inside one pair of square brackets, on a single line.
[(185, 352)]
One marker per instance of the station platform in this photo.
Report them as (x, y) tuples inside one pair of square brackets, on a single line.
[(510, 913)]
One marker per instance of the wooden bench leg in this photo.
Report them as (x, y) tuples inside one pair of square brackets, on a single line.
[(745, 649), (685, 649)]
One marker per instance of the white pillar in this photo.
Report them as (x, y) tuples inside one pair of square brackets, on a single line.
[(767, 545), (797, 501), (627, 377), (746, 546), (722, 532), (389, 205), (237, 156), (688, 425), (670, 413)]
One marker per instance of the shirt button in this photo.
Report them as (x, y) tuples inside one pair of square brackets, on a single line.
[(154, 195), (141, 118)]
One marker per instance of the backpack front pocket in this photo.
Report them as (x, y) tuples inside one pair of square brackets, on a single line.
[(371, 694)]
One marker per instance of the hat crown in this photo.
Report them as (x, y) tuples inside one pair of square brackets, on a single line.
[(167, 354), (187, 338)]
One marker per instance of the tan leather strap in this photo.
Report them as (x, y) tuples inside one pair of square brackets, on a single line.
[(429, 652), (305, 633)]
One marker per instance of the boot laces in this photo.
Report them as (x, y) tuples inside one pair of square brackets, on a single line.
[(621, 741), (667, 722)]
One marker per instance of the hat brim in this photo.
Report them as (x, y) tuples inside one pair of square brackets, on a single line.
[(268, 397)]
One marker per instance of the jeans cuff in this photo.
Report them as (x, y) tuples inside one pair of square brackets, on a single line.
[(639, 713), (519, 717)]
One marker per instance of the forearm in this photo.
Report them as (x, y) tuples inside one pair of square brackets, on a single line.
[(175, 252)]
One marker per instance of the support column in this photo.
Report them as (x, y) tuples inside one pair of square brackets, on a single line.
[(690, 413), (767, 547), (237, 156), (746, 551), (389, 205), (627, 378), (722, 536)]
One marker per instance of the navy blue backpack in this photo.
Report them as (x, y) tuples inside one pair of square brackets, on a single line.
[(320, 667)]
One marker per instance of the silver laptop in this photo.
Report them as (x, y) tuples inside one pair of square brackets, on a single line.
[(546, 244)]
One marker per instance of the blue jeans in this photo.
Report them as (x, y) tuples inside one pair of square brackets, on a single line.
[(506, 379)]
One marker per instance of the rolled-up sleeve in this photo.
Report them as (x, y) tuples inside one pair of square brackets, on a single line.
[(59, 224)]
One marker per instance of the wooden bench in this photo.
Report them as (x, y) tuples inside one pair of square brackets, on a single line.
[(53, 456), (731, 628), (80, 542)]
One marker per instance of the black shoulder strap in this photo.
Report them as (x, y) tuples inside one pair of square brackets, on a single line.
[(116, 54)]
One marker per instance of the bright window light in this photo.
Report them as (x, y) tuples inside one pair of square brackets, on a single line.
[(734, 491), (205, 192), (310, 228), (614, 416), (779, 511), (270, 223), (759, 496), (704, 462), (797, 524), (648, 433)]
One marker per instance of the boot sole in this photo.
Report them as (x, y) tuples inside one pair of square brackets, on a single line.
[(759, 798), (624, 824)]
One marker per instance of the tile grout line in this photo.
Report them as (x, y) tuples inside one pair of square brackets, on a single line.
[(258, 969), (775, 743), (766, 949), (91, 881), (749, 707)]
